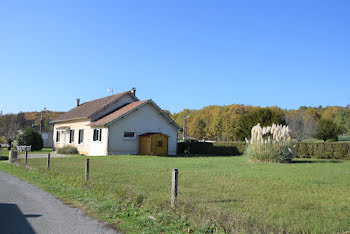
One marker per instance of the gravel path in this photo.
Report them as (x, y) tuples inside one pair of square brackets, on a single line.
[(24, 208)]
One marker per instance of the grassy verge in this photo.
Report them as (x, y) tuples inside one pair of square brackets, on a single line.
[(215, 193), (4, 153)]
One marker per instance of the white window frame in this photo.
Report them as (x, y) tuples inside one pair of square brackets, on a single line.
[(129, 138), (70, 136), (99, 135), (79, 136), (58, 139)]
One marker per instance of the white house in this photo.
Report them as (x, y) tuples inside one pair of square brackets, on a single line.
[(113, 124)]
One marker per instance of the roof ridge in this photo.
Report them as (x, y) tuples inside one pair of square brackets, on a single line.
[(91, 108), (122, 93), (113, 100), (123, 111)]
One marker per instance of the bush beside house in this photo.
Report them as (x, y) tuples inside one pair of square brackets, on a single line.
[(29, 137), (67, 150)]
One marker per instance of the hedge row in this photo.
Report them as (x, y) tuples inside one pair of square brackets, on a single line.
[(337, 150), (194, 147), (326, 150)]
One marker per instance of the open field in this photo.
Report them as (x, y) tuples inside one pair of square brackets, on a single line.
[(215, 193)]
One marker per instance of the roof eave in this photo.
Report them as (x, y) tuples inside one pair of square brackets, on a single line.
[(67, 120)]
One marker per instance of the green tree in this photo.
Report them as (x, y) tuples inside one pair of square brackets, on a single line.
[(343, 118), (327, 129), (29, 137), (264, 116), (21, 120)]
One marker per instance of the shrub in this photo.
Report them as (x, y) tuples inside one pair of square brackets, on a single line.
[(328, 130), (337, 150), (276, 153), (68, 150), (270, 144), (29, 137)]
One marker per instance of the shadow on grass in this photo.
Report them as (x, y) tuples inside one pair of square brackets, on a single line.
[(3, 158), (317, 161), (197, 155)]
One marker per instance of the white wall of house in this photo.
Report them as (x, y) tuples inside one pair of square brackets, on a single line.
[(99, 148), (88, 146), (145, 119)]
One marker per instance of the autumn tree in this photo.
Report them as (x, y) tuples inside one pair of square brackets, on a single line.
[(9, 127), (197, 128), (301, 124)]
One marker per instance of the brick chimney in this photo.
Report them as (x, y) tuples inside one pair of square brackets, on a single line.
[(133, 91), (78, 102)]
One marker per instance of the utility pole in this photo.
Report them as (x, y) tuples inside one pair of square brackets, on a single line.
[(41, 120), (184, 133)]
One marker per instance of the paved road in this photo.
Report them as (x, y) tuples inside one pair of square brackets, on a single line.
[(24, 208)]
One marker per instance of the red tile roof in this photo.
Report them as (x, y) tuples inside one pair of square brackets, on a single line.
[(118, 113), (87, 109)]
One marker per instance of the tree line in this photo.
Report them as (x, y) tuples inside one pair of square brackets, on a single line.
[(234, 122), (12, 125)]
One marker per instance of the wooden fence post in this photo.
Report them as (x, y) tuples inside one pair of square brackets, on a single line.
[(87, 169), (48, 161), (26, 162), (174, 183)]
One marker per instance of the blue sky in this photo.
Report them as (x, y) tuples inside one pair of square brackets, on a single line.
[(182, 54)]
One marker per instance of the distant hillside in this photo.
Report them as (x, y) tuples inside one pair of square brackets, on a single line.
[(47, 116), (33, 119)]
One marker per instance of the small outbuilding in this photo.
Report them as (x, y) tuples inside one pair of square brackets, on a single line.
[(153, 143)]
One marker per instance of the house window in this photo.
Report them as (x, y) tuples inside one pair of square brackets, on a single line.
[(97, 135), (71, 136), (58, 135), (81, 136), (160, 143), (129, 135)]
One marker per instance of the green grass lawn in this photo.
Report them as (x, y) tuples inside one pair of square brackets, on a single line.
[(215, 193)]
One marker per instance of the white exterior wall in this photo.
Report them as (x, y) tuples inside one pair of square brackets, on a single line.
[(99, 148), (143, 120), (88, 147)]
